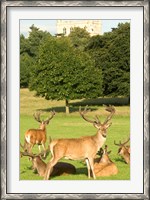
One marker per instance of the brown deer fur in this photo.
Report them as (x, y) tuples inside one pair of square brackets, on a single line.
[(124, 151), (61, 168), (37, 136), (84, 148), (105, 167)]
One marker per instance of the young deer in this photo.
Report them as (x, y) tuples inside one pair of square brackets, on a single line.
[(84, 148), (124, 150), (37, 136), (61, 168), (104, 166)]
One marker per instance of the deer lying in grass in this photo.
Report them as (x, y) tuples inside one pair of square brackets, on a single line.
[(103, 166), (37, 136), (61, 168), (124, 150), (84, 148)]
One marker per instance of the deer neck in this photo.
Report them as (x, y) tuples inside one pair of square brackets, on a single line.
[(43, 128), (41, 167), (126, 156), (100, 139)]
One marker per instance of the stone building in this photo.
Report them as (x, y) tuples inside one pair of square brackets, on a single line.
[(64, 27)]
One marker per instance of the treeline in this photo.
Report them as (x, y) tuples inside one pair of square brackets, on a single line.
[(77, 66)]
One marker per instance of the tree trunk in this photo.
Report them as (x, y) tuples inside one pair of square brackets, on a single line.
[(67, 106)]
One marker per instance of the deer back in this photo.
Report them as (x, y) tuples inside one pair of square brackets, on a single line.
[(35, 136), (38, 136), (80, 148)]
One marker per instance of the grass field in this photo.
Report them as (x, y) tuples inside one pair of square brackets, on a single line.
[(73, 126)]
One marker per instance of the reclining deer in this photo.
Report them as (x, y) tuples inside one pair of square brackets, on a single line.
[(124, 150), (61, 168), (84, 148), (103, 166), (37, 136)]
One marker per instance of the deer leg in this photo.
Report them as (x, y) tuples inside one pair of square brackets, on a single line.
[(30, 147), (44, 147), (49, 167), (88, 167), (39, 148), (92, 167)]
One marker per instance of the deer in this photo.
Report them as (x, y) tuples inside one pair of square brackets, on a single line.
[(37, 136), (84, 148), (61, 168), (103, 166), (124, 150)]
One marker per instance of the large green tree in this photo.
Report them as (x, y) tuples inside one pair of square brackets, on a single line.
[(64, 72), (111, 53)]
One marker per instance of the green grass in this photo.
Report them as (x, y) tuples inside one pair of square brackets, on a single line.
[(72, 126)]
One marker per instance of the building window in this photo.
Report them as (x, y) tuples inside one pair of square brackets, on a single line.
[(64, 31)]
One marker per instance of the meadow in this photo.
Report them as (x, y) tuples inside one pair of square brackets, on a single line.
[(73, 126)]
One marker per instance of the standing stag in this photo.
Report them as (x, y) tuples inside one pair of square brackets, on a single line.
[(37, 136), (124, 150), (104, 166), (84, 148)]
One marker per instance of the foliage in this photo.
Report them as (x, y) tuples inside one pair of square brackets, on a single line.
[(29, 52), (26, 62), (79, 37), (111, 53), (63, 72)]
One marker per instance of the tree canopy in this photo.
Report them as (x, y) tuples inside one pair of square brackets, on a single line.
[(111, 53), (79, 37), (29, 52), (63, 72)]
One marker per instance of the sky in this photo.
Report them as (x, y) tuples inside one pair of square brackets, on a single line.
[(50, 25)]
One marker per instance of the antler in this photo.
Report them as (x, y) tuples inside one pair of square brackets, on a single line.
[(52, 115), (100, 152), (37, 116), (82, 113), (106, 150), (27, 154), (110, 109), (21, 146), (122, 144)]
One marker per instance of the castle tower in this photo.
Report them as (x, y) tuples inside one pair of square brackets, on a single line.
[(64, 27)]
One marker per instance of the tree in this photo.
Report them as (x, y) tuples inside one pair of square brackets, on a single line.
[(29, 52), (111, 53), (64, 72), (35, 38), (26, 63), (79, 37)]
